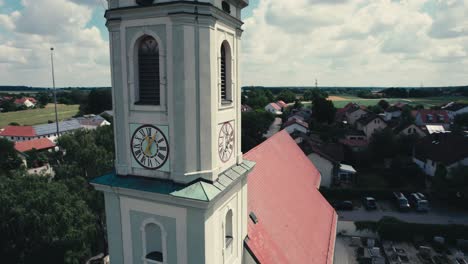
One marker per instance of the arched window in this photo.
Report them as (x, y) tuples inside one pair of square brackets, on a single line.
[(228, 230), (153, 239), (148, 72), (225, 74)]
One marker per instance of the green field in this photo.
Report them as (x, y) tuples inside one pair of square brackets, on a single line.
[(38, 116), (427, 102)]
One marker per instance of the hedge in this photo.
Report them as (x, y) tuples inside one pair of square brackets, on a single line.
[(350, 194), (390, 228)]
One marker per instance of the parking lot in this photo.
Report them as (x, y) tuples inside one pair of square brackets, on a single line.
[(438, 214)]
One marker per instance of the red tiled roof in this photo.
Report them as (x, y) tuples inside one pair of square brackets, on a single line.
[(295, 223), (355, 142), (275, 106), (18, 131), (281, 103), (22, 100), (435, 116), (39, 144)]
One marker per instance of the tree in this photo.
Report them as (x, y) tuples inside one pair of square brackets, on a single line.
[(312, 94), (254, 125), (99, 100), (43, 98), (461, 120), (9, 159), (298, 104), (383, 144), (287, 96), (323, 110), (257, 99), (383, 104), (44, 222)]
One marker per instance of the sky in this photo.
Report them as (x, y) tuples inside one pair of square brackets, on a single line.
[(285, 43)]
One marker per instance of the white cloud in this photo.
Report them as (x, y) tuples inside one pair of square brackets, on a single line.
[(355, 42), (81, 54)]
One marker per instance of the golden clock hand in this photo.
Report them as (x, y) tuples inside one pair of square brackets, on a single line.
[(150, 142)]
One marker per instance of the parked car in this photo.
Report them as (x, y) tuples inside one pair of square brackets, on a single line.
[(419, 202), (369, 203), (343, 205), (401, 201)]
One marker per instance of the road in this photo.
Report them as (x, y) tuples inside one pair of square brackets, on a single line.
[(439, 214), (274, 128), (343, 253)]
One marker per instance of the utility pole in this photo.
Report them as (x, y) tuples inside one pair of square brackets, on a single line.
[(55, 92), (316, 83)]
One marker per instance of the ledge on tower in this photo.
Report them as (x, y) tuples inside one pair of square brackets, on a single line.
[(199, 190)]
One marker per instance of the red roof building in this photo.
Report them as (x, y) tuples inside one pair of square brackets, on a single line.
[(295, 224), (429, 116), (18, 131), (282, 104), (38, 144)]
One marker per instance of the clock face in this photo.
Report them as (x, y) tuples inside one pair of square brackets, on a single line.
[(149, 147), (226, 142)]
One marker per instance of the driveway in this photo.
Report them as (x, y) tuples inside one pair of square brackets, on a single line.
[(274, 128), (438, 214)]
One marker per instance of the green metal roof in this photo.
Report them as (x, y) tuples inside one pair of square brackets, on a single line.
[(200, 190)]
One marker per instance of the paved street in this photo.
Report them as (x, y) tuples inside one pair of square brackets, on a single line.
[(274, 128), (439, 214), (343, 253)]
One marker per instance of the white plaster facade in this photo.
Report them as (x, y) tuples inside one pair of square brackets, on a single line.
[(325, 167), (354, 116), (412, 130), (370, 128)]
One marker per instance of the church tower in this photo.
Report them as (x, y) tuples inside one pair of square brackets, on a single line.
[(179, 191)]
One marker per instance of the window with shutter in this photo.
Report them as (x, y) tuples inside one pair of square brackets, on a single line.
[(223, 73), (148, 72)]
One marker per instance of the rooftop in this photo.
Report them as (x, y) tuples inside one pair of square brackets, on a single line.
[(295, 223), (38, 144), (18, 131)]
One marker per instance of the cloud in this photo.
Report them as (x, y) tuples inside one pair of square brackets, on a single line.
[(355, 42), (81, 54)]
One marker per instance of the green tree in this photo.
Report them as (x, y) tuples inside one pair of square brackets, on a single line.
[(287, 96), (9, 159), (323, 110), (257, 99), (43, 99), (254, 125), (44, 222), (99, 100), (312, 94), (461, 120), (383, 144), (383, 104)]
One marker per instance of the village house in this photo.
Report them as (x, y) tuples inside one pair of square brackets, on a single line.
[(354, 113), (273, 108), (246, 108), (92, 121), (296, 125), (39, 145), (454, 109), (328, 158), (392, 112), (26, 101), (282, 104), (448, 150), (356, 140), (408, 130), (370, 123), (431, 117)]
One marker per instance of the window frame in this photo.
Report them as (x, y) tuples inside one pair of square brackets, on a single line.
[(163, 241), (137, 65), (230, 73), (133, 78)]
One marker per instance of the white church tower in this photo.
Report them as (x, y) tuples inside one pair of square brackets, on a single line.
[(179, 191)]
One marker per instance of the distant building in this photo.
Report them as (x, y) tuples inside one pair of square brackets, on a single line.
[(408, 130), (354, 112), (282, 104), (435, 129), (355, 140), (49, 131), (296, 125), (273, 108), (431, 117), (26, 101), (454, 109), (370, 123), (449, 150), (40, 145), (392, 112), (246, 108)]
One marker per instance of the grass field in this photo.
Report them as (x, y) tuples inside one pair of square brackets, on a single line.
[(427, 102), (38, 116)]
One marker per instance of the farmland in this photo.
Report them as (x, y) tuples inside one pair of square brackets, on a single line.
[(38, 116), (340, 101)]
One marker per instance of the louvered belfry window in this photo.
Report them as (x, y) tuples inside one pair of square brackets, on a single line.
[(223, 73), (148, 72)]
